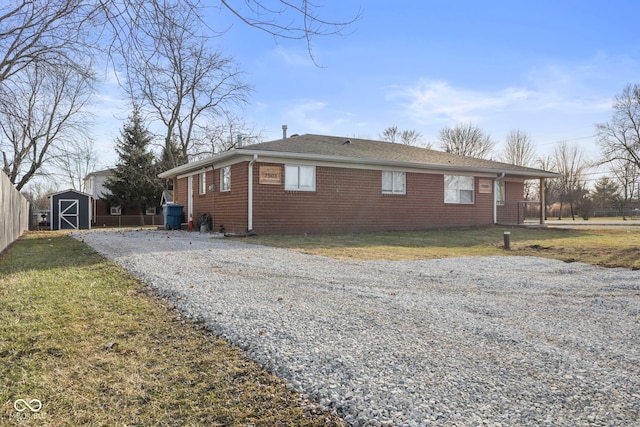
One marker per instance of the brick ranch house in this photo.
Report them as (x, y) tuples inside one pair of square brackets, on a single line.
[(325, 184)]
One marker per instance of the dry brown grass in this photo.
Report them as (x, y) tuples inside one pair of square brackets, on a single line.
[(96, 347), (611, 247)]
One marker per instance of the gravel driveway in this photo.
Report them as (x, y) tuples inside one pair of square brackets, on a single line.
[(465, 342)]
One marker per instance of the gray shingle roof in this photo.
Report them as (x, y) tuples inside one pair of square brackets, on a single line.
[(381, 151), (356, 150)]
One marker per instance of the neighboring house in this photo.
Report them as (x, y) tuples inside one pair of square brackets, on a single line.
[(325, 184), (104, 213), (94, 185)]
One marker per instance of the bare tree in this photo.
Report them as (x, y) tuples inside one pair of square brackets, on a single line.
[(627, 175), (187, 87), (551, 186), (38, 37), (390, 134), (519, 149), (131, 22), (411, 137), (466, 139), (41, 32), (284, 19), (227, 133), (75, 159), (37, 193), (406, 137), (182, 83), (47, 105), (569, 162), (619, 139)]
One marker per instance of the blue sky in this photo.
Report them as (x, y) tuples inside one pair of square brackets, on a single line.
[(550, 68)]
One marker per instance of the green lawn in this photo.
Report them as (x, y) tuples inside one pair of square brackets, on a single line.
[(94, 346)]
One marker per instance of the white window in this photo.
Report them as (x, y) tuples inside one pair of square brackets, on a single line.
[(393, 182), (225, 178), (202, 183), (500, 192), (458, 189), (150, 211), (301, 178), (115, 210)]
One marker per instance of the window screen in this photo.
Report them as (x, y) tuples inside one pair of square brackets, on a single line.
[(458, 189), (393, 182), (301, 178)]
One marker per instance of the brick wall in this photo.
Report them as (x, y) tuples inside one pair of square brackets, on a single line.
[(345, 200), (180, 194), (349, 200), (228, 208), (231, 206), (202, 203)]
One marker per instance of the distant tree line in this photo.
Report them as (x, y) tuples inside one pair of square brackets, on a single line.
[(619, 142)]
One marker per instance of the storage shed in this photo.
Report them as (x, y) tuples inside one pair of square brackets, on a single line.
[(70, 210)]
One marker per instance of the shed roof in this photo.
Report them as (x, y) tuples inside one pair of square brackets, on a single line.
[(356, 150), (70, 190)]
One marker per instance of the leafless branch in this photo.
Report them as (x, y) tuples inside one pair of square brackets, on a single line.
[(287, 20), (466, 139)]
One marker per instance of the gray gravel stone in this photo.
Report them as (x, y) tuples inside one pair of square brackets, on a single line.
[(468, 341)]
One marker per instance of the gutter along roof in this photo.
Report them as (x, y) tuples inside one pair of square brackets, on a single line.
[(363, 151)]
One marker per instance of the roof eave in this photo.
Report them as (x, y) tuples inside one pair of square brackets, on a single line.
[(426, 166), (201, 164), (197, 165)]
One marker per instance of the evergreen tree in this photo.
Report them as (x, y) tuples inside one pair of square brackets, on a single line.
[(606, 193), (134, 183)]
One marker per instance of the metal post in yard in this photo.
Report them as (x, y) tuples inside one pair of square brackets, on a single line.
[(507, 240)]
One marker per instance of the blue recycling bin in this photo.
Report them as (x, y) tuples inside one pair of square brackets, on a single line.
[(172, 215)]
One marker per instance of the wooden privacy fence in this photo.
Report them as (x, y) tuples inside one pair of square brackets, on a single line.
[(14, 212)]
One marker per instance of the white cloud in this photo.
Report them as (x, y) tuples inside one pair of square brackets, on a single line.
[(292, 58), (548, 90), (315, 117), (553, 101), (438, 101)]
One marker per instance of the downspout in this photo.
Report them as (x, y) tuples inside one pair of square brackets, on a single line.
[(213, 197), (250, 195), (94, 202), (543, 202), (495, 197)]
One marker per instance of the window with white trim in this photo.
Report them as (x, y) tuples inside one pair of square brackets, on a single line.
[(202, 183), (300, 178), (394, 182), (116, 210), (458, 189), (500, 193), (225, 178)]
